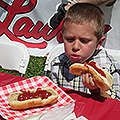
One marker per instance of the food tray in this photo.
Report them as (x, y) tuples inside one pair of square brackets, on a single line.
[(31, 83)]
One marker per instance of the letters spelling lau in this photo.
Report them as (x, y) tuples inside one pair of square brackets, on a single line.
[(29, 29)]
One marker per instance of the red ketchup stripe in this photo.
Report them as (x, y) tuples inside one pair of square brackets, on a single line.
[(39, 93), (93, 64), (85, 64)]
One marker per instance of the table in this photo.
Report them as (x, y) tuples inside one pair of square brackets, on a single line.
[(93, 107), (6, 79)]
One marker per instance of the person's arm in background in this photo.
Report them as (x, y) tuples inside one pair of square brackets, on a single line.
[(55, 20), (96, 2)]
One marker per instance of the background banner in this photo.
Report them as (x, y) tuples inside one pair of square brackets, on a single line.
[(25, 21)]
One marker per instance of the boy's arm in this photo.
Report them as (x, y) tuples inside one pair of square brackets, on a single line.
[(104, 94), (90, 84), (100, 92)]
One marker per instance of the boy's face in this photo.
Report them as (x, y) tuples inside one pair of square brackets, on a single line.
[(80, 42)]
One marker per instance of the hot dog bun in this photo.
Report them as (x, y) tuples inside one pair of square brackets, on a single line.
[(34, 102), (103, 82)]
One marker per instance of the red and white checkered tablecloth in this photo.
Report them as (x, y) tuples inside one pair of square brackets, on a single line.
[(31, 83)]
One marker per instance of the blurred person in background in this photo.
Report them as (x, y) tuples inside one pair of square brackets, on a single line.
[(57, 17)]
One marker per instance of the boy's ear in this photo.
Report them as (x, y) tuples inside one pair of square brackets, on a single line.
[(100, 42), (60, 37)]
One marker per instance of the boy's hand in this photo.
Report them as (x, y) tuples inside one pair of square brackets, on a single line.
[(88, 81)]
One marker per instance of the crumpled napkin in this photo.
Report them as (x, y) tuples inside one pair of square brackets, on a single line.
[(59, 114)]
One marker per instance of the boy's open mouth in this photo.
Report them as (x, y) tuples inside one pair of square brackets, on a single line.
[(75, 56)]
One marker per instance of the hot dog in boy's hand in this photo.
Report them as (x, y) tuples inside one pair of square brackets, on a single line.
[(32, 98), (102, 78)]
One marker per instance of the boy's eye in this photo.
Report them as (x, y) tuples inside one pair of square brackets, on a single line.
[(70, 39), (84, 40)]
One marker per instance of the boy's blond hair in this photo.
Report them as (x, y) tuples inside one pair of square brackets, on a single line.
[(86, 13)]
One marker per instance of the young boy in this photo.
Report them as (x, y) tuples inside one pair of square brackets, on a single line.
[(83, 29)]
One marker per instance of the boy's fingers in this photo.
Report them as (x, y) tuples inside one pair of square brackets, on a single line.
[(88, 81), (92, 82), (85, 80)]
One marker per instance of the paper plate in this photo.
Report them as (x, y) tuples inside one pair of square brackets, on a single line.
[(31, 83)]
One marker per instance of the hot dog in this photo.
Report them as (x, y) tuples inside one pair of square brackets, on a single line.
[(102, 78), (25, 99)]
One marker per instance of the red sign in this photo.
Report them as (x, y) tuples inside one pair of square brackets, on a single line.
[(24, 26)]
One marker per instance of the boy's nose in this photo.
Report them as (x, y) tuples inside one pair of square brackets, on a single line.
[(76, 45)]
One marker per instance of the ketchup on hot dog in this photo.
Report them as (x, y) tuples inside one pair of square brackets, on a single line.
[(39, 93), (93, 64)]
